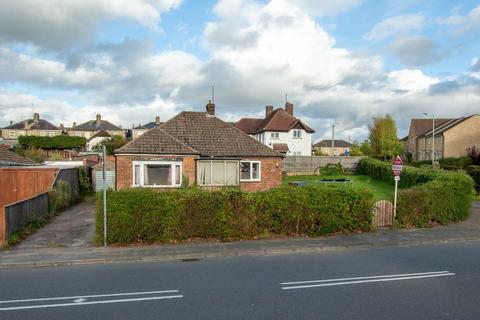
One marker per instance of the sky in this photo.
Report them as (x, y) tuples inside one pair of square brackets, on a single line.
[(341, 62)]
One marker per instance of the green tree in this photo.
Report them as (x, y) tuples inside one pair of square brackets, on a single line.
[(383, 138), (366, 148), (111, 145), (355, 150)]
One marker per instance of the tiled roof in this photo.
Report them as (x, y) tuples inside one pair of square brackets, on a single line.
[(156, 140), (149, 125), (101, 133), (328, 144), (10, 158), (421, 126), (33, 125), (280, 147), (94, 125), (278, 120), (213, 137), (440, 128)]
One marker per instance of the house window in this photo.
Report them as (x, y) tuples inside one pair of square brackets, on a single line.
[(274, 135), (78, 134), (157, 173), (51, 134), (217, 173), (11, 134), (297, 133), (43, 133), (250, 171)]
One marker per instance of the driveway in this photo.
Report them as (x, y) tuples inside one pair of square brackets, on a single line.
[(74, 227)]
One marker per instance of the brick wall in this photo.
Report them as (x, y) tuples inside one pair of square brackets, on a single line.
[(270, 174), (124, 174)]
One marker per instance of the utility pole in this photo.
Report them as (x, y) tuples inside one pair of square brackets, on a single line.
[(333, 139), (104, 167), (433, 138)]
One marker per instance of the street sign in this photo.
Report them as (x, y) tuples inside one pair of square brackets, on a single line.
[(397, 178), (397, 167)]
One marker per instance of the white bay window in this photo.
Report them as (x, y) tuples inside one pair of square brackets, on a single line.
[(157, 173), (217, 173)]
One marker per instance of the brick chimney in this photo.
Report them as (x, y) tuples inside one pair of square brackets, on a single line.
[(62, 127), (289, 108), (36, 117), (99, 117), (210, 108), (74, 125), (157, 121), (268, 110)]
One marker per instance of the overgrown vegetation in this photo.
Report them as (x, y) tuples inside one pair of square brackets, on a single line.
[(383, 138), (148, 216), (85, 185), (56, 142), (433, 196), (111, 145), (59, 197)]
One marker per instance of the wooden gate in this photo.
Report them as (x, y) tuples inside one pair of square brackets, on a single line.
[(383, 214)]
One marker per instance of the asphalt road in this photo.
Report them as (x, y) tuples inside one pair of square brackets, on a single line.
[(422, 282)]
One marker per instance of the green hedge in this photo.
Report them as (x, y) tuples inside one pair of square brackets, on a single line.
[(474, 172), (428, 196), (56, 142), (148, 216)]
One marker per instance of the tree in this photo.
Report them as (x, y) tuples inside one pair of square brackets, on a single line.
[(355, 150), (366, 148), (383, 138), (111, 145)]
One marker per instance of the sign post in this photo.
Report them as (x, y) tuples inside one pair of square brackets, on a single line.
[(397, 167), (104, 167)]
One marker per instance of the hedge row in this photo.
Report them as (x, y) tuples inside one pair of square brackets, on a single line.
[(148, 216), (56, 142), (429, 196)]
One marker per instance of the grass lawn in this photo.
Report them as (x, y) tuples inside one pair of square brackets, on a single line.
[(380, 189)]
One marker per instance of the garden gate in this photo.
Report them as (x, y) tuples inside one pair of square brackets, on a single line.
[(383, 214)]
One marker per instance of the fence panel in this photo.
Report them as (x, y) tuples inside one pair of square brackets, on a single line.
[(312, 164)]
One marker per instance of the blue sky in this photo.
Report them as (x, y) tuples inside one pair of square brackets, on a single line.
[(344, 61)]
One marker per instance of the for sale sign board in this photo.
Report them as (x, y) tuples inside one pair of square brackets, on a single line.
[(397, 166)]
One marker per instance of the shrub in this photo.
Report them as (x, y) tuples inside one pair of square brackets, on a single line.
[(474, 172), (474, 155), (56, 142), (435, 196), (455, 163), (331, 169), (148, 216), (59, 197), (85, 186)]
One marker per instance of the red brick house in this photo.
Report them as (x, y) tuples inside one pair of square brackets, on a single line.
[(199, 148)]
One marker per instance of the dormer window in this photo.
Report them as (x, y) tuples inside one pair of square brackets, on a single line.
[(297, 134)]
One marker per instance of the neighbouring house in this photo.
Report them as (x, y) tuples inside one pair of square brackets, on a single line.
[(197, 147), (96, 139), (29, 127), (340, 147), (452, 137), (92, 127), (280, 130), (141, 129)]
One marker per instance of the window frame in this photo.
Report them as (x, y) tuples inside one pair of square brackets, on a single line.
[(251, 171), (274, 135), (299, 131), (142, 165), (237, 183), (12, 134)]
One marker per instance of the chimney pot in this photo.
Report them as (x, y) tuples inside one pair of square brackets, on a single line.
[(99, 117), (268, 110), (74, 125), (157, 121), (61, 126), (289, 108), (210, 108), (36, 117)]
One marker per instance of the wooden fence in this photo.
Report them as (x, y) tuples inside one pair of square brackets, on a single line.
[(383, 214), (311, 164)]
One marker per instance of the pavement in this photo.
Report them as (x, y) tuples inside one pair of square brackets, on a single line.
[(64, 255)]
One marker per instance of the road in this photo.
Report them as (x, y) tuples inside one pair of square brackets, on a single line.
[(421, 282)]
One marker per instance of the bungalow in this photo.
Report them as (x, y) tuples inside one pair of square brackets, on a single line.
[(90, 128), (197, 147)]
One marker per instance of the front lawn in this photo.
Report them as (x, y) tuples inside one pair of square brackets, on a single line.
[(381, 190)]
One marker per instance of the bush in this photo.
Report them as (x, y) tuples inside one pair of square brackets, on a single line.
[(85, 186), (59, 197), (331, 169), (435, 196), (148, 216), (56, 142), (474, 172)]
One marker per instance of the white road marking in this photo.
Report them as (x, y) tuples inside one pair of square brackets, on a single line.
[(88, 303), (91, 296), (369, 277), (79, 300), (340, 282)]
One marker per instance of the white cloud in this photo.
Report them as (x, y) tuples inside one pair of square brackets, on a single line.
[(57, 24), (397, 25), (464, 23), (410, 80), (325, 7), (414, 51)]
